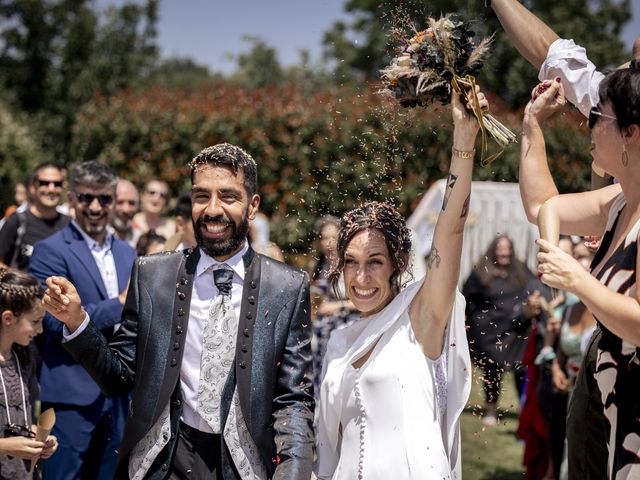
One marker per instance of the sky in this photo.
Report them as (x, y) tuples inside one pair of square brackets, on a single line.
[(209, 31)]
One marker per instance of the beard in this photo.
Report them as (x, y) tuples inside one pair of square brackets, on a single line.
[(120, 224), (224, 246)]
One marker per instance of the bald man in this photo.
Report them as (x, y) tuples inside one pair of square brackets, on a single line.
[(125, 208)]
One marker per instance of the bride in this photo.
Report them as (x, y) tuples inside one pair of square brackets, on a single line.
[(395, 382)]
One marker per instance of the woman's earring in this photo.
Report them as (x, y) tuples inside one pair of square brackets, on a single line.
[(625, 156)]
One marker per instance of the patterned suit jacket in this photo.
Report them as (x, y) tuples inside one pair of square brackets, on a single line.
[(272, 366)]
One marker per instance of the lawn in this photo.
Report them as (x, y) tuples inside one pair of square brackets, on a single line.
[(491, 453)]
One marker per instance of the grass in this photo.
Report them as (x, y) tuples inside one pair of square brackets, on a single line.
[(492, 453)]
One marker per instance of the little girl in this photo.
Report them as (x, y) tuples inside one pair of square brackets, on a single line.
[(21, 316)]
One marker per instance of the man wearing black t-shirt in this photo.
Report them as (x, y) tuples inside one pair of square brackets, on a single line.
[(41, 219)]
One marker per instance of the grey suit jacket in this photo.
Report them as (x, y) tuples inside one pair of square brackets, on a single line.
[(272, 365)]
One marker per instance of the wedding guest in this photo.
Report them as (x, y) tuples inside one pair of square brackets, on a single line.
[(125, 208), (609, 292), (155, 200), (498, 325), (21, 316)]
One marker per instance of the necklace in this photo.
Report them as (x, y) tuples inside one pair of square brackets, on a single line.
[(6, 399)]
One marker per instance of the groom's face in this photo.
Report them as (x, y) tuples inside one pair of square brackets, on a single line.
[(221, 210)]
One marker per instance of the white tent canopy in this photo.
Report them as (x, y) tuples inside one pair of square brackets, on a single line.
[(495, 208)]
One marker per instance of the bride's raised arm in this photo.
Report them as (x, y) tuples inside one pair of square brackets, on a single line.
[(431, 308)]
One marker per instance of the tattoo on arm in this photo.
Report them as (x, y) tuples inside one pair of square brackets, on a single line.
[(451, 181), (433, 258), (465, 207)]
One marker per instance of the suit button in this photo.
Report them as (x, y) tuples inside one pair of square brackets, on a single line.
[(244, 348), (164, 467), (174, 362), (243, 364), (180, 312), (183, 281), (249, 315), (177, 403), (246, 332), (176, 345), (253, 284), (181, 295), (252, 299), (179, 329)]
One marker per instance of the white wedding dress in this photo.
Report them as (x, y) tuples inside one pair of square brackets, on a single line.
[(397, 416)]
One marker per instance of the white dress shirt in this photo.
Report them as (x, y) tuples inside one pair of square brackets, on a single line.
[(203, 294), (103, 256)]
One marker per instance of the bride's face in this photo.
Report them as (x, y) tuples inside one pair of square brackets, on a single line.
[(367, 272)]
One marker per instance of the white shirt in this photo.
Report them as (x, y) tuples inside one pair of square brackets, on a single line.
[(103, 256), (203, 294), (580, 78)]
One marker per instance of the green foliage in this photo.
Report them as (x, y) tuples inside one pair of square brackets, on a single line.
[(318, 152), (56, 54), (362, 47), (19, 154), (179, 72), (259, 66)]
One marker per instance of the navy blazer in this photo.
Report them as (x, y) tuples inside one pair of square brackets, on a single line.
[(66, 254)]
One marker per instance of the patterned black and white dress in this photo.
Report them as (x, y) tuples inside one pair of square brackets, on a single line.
[(618, 365)]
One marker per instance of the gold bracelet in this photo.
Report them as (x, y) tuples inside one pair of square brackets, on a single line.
[(466, 154), (598, 171)]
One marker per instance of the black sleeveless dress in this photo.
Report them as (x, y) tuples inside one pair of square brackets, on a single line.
[(618, 364)]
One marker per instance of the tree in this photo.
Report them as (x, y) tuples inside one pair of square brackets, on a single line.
[(259, 66), (17, 148), (180, 72), (317, 152), (361, 48), (55, 54)]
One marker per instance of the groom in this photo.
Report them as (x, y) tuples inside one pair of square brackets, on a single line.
[(214, 345)]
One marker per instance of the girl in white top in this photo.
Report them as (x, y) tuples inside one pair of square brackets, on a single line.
[(396, 381)]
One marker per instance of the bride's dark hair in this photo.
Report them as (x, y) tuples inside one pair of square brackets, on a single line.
[(384, 218)]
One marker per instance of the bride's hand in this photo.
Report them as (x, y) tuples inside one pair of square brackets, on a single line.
[(463, 119)]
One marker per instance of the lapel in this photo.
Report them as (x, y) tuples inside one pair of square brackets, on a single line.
[(244, 342), (178, 327), (79, 249), (123, 270)]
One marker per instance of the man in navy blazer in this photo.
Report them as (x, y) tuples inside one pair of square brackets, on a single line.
[(89, 424)]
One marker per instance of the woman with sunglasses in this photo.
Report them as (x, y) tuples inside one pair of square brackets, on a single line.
[(20, 320), (609, 290), (154, 202)]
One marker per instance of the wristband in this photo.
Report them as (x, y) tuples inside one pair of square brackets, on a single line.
[(466, 154)]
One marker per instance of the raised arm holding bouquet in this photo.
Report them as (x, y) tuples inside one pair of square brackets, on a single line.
[(436, 61)]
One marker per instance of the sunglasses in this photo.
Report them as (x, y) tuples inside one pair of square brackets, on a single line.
[(46, 183), (594, 114), (157, 192), (87, 199)]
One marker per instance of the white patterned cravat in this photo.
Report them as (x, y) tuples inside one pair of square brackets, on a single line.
[(218, 350)]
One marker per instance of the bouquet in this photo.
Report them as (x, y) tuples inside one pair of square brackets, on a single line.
[(436, 60)]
